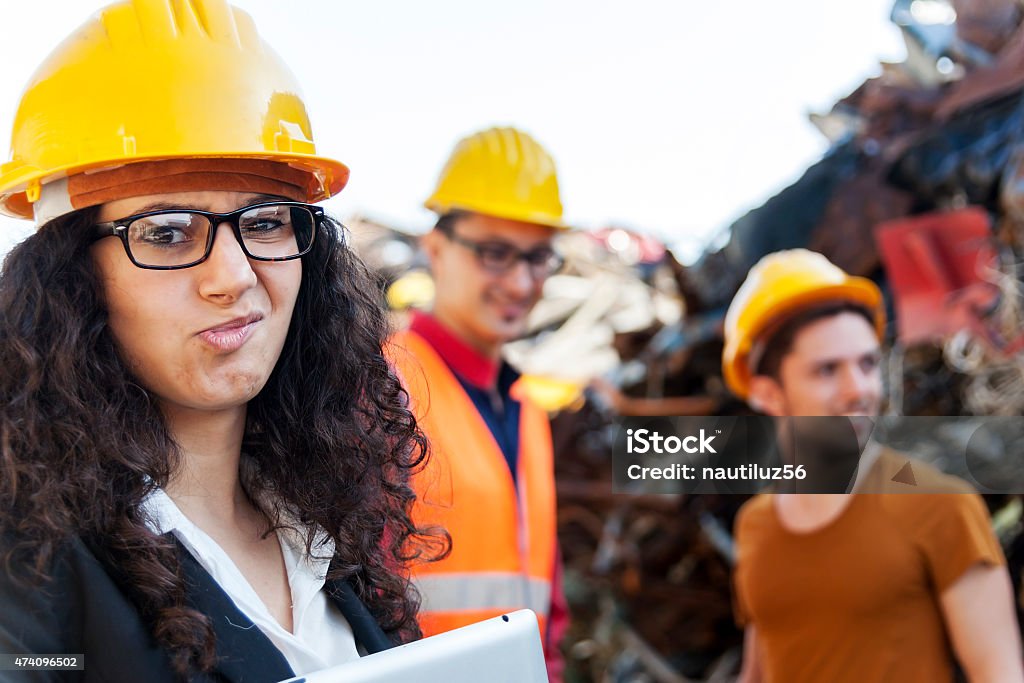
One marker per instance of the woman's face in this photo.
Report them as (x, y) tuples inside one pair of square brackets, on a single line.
[(206, 337)]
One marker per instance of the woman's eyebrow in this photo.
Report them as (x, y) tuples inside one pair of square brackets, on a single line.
[(159, 206), (165, 205)]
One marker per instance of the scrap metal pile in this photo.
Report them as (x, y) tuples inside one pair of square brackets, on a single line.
[(922, 191)]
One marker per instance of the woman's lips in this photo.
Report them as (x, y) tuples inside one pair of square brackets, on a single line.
[(230, 336)]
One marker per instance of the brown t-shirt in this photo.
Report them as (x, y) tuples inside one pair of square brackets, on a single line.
[(858, 599)]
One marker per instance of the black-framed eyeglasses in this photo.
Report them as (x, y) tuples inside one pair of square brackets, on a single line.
[(500, 257), (169, 239)]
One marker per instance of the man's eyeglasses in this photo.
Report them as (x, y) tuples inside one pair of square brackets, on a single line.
[(501, 257), (179, 238)]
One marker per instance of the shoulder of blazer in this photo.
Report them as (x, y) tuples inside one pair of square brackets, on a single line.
[(82, 609)]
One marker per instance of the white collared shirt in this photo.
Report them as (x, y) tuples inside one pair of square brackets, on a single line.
[(321, 636)]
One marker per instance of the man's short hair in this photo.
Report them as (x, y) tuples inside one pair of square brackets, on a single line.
[(779, 342), (446, 222)]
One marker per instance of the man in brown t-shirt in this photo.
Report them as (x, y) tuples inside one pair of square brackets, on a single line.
[(839, 587)]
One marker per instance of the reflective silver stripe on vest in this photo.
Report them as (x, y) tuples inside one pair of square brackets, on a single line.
[(451, 592)]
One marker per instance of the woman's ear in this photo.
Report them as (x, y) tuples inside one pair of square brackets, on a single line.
[(766, 396)]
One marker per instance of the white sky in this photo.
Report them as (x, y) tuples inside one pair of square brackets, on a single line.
[(669, 116)]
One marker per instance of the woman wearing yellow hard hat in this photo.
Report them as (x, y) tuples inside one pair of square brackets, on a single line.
[(203, 452)]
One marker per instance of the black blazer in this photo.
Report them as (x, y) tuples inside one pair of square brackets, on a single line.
[(84, 612)]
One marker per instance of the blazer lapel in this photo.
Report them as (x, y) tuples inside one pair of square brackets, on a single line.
[(365, 628), (244, 654)]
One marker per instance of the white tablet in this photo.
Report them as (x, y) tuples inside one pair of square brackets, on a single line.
[(504, 649)]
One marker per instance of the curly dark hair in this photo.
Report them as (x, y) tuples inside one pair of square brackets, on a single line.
[(82, 443)]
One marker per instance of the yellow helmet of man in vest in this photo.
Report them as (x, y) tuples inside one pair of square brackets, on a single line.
[(500, 172), (152, 90), (778, 287), (499, 209)]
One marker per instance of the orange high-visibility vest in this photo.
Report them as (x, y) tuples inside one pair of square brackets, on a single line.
[(503, 539)]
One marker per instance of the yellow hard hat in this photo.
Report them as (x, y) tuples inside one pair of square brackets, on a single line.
[(156, 80), (415, 289), (549, 393), (500, 172), (778, 286)]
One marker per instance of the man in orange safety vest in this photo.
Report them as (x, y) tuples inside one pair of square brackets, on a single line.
[(489, 480)]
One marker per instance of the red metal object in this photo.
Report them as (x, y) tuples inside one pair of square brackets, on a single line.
[(936, 265)]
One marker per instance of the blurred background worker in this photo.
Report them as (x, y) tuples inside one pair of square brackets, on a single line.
[(835, 587), (490, 480)]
